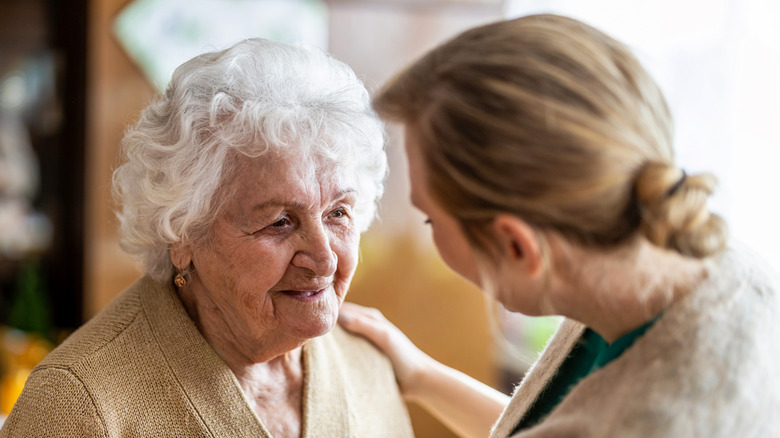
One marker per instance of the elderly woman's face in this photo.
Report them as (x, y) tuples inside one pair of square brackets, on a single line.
[(283, 253)]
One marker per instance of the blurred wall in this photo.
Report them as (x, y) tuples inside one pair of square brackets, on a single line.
[(399, 272), (116, 93)]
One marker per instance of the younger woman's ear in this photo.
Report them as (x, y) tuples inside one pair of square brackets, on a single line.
[(519, 243), (180, 255)]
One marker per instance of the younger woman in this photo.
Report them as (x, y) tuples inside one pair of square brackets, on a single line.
[(541, 151)]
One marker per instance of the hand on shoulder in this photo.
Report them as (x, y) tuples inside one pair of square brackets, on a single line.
[(409, 362)]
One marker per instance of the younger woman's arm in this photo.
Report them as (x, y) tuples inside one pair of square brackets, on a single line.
[(468, 407)]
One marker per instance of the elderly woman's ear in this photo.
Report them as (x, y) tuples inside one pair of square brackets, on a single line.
[(181, 257)]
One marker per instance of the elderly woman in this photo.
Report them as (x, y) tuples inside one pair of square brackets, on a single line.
[(244, 191), (541, 151)]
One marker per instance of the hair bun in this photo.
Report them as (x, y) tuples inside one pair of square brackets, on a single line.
[(674, 213)]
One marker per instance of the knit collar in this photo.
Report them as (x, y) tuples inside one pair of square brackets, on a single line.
[(212, 387)]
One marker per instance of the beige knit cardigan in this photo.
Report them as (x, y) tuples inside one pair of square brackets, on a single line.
[(142, 368), (709, 367)]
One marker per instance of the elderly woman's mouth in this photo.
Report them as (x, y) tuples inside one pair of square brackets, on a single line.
[(305, 295)]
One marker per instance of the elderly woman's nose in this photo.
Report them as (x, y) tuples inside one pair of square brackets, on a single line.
[(316, 253)]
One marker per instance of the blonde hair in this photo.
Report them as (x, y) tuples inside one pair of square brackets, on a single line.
[(550, 119)]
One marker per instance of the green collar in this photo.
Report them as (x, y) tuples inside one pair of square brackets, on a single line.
[(589, 354), (615, 349)]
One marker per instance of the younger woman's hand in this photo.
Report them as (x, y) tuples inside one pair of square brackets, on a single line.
[(464, 404), (409, 362)]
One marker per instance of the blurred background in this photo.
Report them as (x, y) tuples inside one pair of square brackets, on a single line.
[(74, 74)]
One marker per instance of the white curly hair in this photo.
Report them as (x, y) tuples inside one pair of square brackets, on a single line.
[(254, 97)]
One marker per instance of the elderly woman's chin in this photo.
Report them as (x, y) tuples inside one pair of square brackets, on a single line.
[(308, 314)]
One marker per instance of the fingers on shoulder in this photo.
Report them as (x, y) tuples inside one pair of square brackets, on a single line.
[(357, 310)]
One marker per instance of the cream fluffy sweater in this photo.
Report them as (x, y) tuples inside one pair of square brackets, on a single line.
[(142, 368), (709, 367)]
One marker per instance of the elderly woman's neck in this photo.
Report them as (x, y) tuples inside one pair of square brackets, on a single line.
[(286, 367), (615, 292), (244, 353), (269, 370)]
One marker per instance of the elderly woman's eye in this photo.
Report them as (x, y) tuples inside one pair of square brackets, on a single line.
[(281, 222), (340, 212)]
